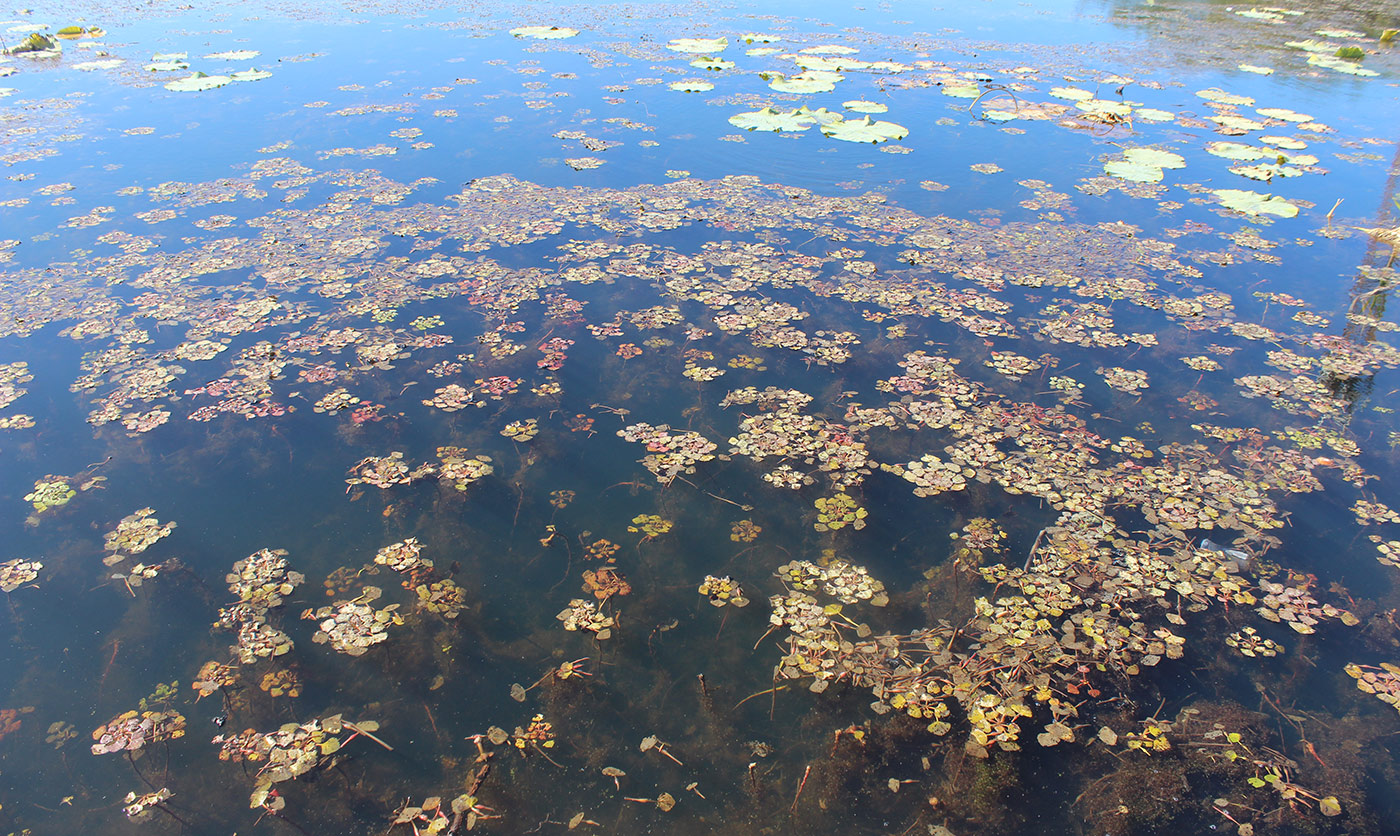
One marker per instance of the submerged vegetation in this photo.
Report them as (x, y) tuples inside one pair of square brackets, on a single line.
[(1055, 496)]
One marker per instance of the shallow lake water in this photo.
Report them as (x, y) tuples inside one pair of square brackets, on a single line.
[(786, 418)]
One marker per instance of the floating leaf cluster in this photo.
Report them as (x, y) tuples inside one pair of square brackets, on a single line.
[(582, 614), (723, 591), (133, 730), (17, 573), (669, 454), (134, 534), (353, 627)]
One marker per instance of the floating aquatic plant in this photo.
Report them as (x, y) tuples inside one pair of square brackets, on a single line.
[(133, 730), (17, 573), (214, 676), (582, 614), (353, 627), (723, 591), (49, 493), (134, 534), (139, 807), (650, 526)]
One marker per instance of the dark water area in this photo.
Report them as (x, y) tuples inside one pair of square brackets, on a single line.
[(797, 418)]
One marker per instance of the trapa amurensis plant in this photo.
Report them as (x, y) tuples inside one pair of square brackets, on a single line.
[(1073, 622)]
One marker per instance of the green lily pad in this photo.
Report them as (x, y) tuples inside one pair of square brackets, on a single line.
[(713, 64), (1266, 15), (233, 55), (758, 38), (830, 65), (1235, 151), (1313, 46), (1135, 172), (1283, 113), (1341, 65), (197, 83), (1143, 165), (1152, 156), (167, 66), (1254, 203), (862, 106), (1073, 94), (544, 33), (769, 119), (864, 130), (1215, 94), (1287, 142), (1265, 171), (807, 82), (1104, 108), (820, 116), (1236, 122), (692, 86), (699, 46), (1152, 114), (1256, 69), (962, 90), (37, 45), (251, 75)]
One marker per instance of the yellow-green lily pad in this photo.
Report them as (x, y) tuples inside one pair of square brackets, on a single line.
[(864, 130), (1153, 156), (824, 64), (691, 86), (1133, 172), (1152, 114), (1104, 108), (1254, 203), (769, 119), (1265, 171), (233, 55), (101, 64), (862, 106), (1235, 151), (698, 46), (1236, 122), (1215, 94), (544, 33), (1341, 65), (807, 82), (197, 83), (1283, 113)]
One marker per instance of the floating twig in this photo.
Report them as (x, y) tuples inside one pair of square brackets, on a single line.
[(357, 730), (759, 694), (802, 785)]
